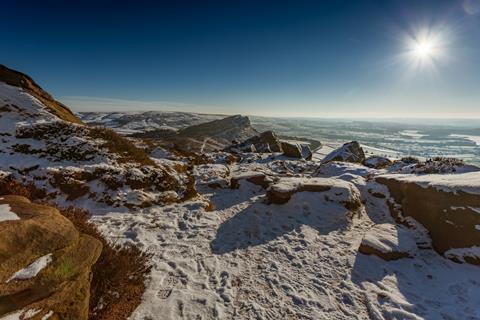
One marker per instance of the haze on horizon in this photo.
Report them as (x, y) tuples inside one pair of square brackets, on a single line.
[(365, 59)]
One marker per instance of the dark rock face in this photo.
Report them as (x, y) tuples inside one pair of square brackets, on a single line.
[(268, 142), (231, 128), (306, 152), (448, 216), (349, 152), (292, 150)]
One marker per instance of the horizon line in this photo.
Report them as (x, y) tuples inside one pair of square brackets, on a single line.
[(94, 104)]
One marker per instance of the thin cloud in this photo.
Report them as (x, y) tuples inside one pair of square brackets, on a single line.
[(85, 103)]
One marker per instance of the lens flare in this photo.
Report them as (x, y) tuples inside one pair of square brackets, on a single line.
[(426, 48)]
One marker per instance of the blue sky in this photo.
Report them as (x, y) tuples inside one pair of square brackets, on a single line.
[(282, 58)]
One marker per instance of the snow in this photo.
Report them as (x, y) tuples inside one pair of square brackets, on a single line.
[(32, 269), (475, 139), (415, 134), (6, 214), (21, 315), (47, 315), (13, 316), (477, 210), (467, 182), (388, 238), (247, 259)]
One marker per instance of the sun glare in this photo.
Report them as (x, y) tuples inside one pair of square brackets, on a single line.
[(425, 48)]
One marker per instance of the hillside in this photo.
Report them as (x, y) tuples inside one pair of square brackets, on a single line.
[(20, 80), (71, 161)]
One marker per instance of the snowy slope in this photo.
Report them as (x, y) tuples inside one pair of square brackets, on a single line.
[(74, 162), (248, 259)]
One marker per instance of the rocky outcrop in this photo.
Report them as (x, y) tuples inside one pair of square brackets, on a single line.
[(206, 137), (45, 262), (266, 142), (447, 205), (349, 152), (388, 242), (433, 165), (223, 131), (333, 189), (296, 150), (269, 142), (18, 79)]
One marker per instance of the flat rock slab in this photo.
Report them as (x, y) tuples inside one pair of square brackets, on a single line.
[(388, 241)]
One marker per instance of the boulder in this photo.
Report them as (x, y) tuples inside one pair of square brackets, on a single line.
[(447, 205), (291, 149), (257, 178), (349, 152), (296, 150), (266, 142), (45, 262), (377, 162), (336, 190), (388, 242), (306, 152), (271, 139)]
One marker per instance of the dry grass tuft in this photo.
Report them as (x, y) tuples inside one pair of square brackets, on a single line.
[(119, 275), (8, 185), (121, 146)]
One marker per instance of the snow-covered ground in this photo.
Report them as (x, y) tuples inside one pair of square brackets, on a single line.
[(234, 253), (248, 259)]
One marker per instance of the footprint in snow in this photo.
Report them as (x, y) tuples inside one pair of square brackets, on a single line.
[(169, 283)]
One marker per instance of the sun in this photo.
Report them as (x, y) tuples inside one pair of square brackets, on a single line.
[(424, 49)]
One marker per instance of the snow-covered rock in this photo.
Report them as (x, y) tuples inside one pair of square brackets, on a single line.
[(332, 189), (431, 166), (292, 149), (388, 241), (448, 205), (349, 152), (377, 162)]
